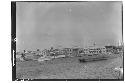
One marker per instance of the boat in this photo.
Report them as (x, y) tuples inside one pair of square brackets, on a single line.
[(93, 59)]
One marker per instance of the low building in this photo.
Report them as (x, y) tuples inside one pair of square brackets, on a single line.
[(86, 50), (92, 50), (68, 51), (45, 53), (81, 51), (111, 49), (75, 52), (97, 50), (120, 49), (103, 50)]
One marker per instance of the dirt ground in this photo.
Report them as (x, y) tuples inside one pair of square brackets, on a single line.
[(69, 68)]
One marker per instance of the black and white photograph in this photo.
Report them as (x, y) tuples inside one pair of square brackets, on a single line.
[(67, 40)]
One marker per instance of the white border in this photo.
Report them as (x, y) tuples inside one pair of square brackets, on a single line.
[(5, 35)]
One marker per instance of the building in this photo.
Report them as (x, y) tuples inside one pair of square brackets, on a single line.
[(75, 52), (97, 50), (86, 50), (72, 52), (92, 50), (111, 49), (103, 50), (68, 51), (45, 53), (120, 49)]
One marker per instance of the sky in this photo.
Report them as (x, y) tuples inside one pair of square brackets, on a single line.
[(40, 25)]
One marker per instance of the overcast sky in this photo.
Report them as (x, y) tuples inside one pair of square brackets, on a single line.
[(67, 24)]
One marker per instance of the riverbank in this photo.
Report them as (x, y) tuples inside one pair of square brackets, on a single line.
[(69, 68)]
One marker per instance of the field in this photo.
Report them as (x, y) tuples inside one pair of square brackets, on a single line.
[(69, 68)]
